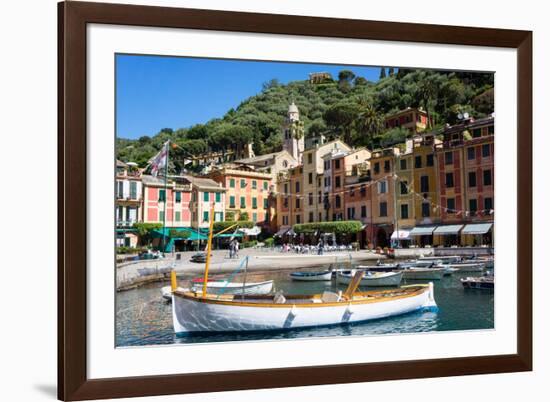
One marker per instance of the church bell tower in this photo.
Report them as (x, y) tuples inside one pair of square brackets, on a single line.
[(293, 133)]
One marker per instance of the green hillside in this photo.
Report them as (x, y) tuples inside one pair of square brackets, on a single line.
[(348, 107)]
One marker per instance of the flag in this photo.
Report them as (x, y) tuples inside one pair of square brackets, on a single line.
[(159, 161)]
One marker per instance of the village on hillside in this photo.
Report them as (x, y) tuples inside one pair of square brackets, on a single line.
[(435, 189)]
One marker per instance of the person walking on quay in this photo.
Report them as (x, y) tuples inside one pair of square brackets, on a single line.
[(231, 248), (236, 250), (320, 247)]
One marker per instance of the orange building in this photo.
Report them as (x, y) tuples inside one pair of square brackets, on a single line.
[(357, 200), (290, 198), (247, 192)]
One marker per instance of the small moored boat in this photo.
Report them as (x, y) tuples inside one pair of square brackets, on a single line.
[(482, 282), (311, 276), (372, 278), (424, 273), (468, 266)]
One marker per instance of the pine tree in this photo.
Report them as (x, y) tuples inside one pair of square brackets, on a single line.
[(382, 72)]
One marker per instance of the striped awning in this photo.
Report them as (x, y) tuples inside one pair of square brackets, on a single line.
[(448, 229), (422, 231), (477, 228)]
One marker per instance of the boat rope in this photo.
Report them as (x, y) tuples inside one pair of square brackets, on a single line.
[(231, 276)]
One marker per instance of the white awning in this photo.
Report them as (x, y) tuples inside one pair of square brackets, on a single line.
[(282, 231), (401, 234), (422, 231), (255, 231), (447, 229), (477, 228)]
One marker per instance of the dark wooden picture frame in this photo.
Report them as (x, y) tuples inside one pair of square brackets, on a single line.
[(73, 17)]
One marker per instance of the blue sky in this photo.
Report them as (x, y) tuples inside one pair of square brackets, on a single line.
[(154, 92)]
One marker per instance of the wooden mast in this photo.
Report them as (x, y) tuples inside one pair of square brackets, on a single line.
[(208, 250)]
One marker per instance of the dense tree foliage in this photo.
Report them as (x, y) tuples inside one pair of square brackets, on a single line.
[(350, 107), (337, 227)]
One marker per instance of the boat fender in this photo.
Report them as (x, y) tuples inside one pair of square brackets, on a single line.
[(350, 308), (278, 298)]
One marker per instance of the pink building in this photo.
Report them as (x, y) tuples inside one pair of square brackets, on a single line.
[(178, 198)]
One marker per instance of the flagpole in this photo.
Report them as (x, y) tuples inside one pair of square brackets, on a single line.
[(167, 145)]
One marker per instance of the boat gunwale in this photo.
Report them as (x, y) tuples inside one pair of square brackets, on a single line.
[(412, 291)]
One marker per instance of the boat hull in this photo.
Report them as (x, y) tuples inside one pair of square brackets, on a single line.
[(195, 315), (469, 267), (386, 279), (325, 276), (433, 274)]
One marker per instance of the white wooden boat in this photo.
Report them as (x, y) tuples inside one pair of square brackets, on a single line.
[(445, 259), (423, 273), (468, 266), (193, 313), (232, 288), (311, 276), (372, 278)]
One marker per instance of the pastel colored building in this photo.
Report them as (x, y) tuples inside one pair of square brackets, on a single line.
[(128, 201), (176, 212), (413, 119), (406, 200), (383, 215), (290, 198), (272, 163), (204, 193), (315, 187), (466, 177), (247, 191), (358, 202)]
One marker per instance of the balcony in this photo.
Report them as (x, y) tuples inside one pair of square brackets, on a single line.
[(125, 224), (120, 197)]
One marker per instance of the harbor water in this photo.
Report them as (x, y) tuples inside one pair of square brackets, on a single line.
[(143, 317)]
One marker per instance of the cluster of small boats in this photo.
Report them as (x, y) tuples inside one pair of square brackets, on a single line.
[(391, 274)]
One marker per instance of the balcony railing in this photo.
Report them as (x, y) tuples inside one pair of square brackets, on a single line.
[(121, 197), (127, 223)]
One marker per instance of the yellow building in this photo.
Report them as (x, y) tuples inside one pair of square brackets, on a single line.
[(383, 216), (426, 187), (313, 177), (406, 200)]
